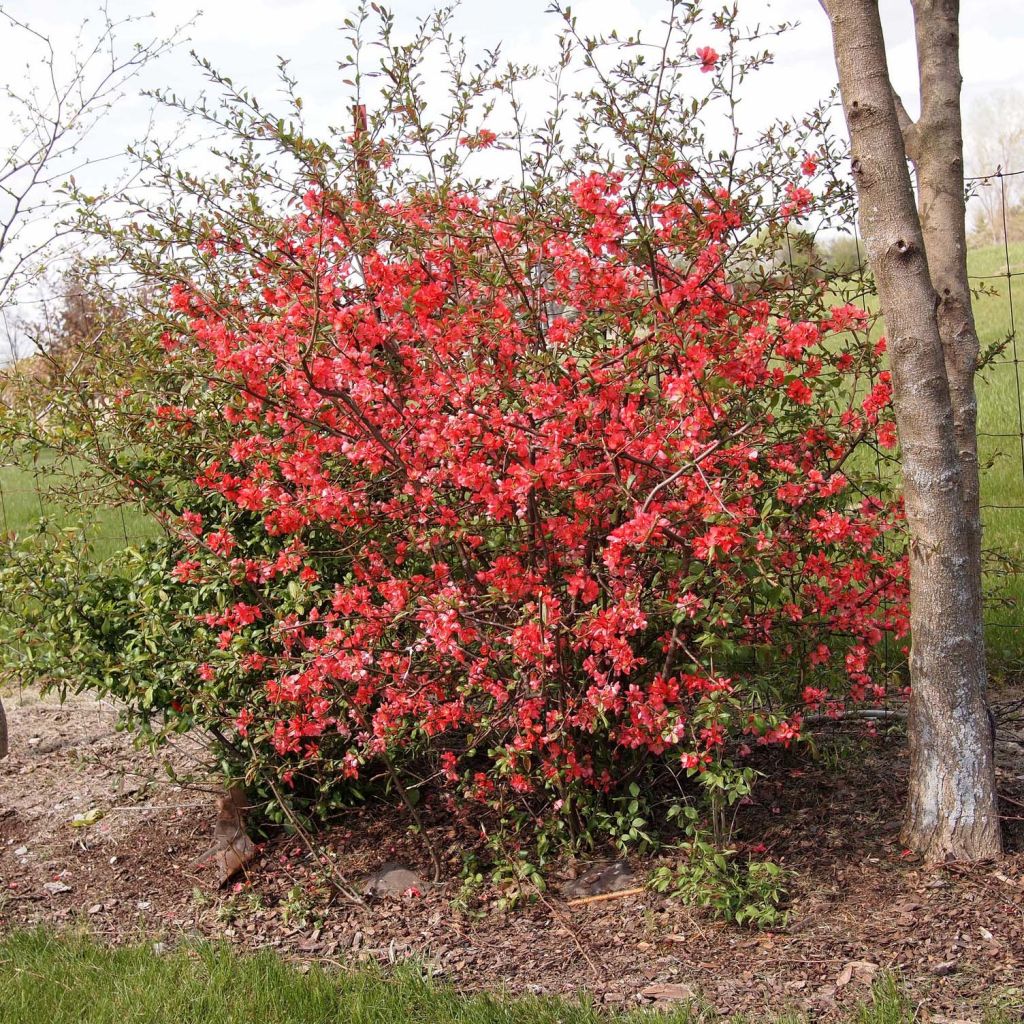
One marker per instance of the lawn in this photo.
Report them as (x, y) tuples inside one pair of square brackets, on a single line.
[(25, 498), (74, 979), (1000, 445)]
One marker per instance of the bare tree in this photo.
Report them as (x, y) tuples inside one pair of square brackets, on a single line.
[(917, 250), (49, 115), (996, 146)]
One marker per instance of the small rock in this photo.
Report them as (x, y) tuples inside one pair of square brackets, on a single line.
[(608, 876), (394, 878), (945, 968), (95, 908), (56, 888), (668, 993), (21, 851)]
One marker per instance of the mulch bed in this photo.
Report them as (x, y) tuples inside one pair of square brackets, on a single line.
[(860, 905)]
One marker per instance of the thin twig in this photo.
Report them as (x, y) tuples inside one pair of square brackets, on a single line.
[(605, 896), (338, 881)]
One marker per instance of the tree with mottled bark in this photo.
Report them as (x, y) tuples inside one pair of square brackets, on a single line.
[(916, 246)]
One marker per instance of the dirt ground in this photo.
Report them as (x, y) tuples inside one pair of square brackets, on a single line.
[(96, 834)]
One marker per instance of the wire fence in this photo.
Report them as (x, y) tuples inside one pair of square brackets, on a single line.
[(994, 211), (26, 490)]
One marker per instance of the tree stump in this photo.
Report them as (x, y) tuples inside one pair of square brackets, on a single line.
[(232, 848)]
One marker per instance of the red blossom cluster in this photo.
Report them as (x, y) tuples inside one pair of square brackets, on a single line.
[(540, 500)]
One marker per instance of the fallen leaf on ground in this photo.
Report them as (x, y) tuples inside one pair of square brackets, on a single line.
[(667, 993), (87, 818), (862, 970)]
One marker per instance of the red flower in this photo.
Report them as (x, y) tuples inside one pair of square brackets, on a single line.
[(481, 140), (799, 199), (186, 571), (799, 392), (708, 58), (887, 434)]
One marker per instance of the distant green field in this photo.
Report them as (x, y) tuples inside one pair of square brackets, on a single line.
[(26, 497), (1000, 388)]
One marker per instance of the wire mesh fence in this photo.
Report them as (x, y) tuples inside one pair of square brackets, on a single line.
[(995, 270)]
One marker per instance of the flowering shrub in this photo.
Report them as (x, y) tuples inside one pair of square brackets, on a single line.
[(534, 496), (546, 533)]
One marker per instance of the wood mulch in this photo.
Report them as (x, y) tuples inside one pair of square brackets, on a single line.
[(860, 904)]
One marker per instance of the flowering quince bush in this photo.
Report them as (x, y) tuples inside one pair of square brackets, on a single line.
[(541, 497), (548, 539)]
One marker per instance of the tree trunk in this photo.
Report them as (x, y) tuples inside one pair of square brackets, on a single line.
[(938, 160), (939, 164), (951, 809), (3, 730)]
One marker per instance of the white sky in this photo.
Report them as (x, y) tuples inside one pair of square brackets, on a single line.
[(245, 37)]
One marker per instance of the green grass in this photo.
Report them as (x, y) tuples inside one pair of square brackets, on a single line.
[(25, 498), (68, 979), (63, 980), (1002, 458)]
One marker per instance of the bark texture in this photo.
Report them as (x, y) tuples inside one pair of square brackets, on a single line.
[(3, 731), (938, 160), (231, 848), (951, 808)]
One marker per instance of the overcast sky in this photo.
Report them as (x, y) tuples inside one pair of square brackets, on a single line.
[(245, 37)]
